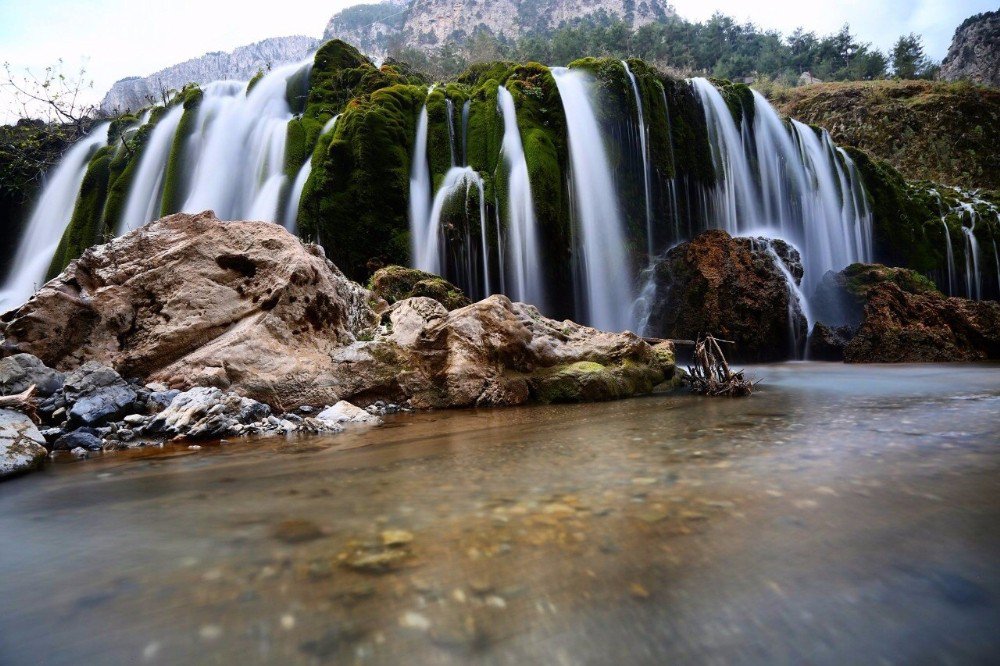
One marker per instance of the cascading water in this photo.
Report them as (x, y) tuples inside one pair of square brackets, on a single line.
[(246, 128), (973, 278), (49, 220), (144, 199), (605, 269), (420, 188), (785, 180), (646, 176), (456, 181), (522, 255)]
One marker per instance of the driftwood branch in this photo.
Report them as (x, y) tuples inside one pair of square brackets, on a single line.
[(711, 375), (22, 402)]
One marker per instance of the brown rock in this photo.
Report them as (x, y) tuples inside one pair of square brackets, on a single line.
[(397, 283), (733, 289)]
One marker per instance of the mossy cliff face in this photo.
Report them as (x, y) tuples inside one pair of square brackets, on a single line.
[(910, 220)]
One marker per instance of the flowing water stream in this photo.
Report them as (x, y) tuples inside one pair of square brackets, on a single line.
[(843, 514)]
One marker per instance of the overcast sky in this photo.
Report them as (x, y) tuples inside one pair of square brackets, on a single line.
[(119, 38)]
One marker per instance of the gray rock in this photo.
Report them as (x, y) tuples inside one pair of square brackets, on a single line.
[(21, 445), (98, 394), (159, 400), (206, 412), (20, 371), (345, 412), (78, 439)]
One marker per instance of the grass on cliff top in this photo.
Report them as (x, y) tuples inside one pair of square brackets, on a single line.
[(928, 130)]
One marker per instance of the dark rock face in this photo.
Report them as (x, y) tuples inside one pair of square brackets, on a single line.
[(828, 343), (734, 289), (78, 439), (397, 283), (974, 54), (904, 319), (20, 371)]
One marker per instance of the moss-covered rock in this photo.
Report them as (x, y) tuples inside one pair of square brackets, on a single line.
[(397, 283), (86, 225), (176, 174)]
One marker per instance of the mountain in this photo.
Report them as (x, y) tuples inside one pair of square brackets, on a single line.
[(241, 63), (429, 23), (975, 51)]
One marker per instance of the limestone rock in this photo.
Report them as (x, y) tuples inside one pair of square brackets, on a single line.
[(244, 308), (974, 54), (22, 447), (189, 300), (20, 371), (345, 412), (97, 394), (207, 412), (734, 289)]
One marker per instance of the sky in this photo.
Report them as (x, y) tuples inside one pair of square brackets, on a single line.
[(119, 38)]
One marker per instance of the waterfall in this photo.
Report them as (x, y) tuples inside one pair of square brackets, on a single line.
[(522, 255), (796, 301), (951, 258), (785, 180), (606, 271), (420, 189), (973, 279), (429, 257), (450, 115), (49, 220), (144, 197), (646, 177), (247, 129), (465, 131), (295, 196)]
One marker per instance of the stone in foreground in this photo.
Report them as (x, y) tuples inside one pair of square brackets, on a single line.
[(22, 447)]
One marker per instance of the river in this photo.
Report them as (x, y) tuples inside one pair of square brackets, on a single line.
[(843, 514)]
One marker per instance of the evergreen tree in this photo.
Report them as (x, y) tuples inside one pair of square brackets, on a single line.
[(908, 58)]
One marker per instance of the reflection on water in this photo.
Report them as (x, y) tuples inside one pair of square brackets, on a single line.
[(841, 514)]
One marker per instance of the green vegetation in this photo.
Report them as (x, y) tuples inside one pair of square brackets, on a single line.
[(86, 224), (397, 283)]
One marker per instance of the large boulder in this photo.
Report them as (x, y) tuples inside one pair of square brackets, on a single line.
[(241, 305), (739, 289), (899, 316), (22, 447), (97, 394), (245, 307)]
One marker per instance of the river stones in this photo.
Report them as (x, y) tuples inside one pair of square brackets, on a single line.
[(97, 394), (345, 412), (22, 447)]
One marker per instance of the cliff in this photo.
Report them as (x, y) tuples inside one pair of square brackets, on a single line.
[(975, 51), (243, 63), (428, 23)]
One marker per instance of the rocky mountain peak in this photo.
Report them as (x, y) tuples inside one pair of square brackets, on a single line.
[(975, 51)]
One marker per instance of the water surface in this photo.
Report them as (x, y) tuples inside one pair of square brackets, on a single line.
[(843, 514)]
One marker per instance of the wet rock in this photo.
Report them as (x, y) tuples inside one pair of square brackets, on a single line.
[(733, 288), (828, 343), (375, 560), (20, 371), (393, 538), (97, 394), (345, 412), (22, 447), (297, 531), (78, 439)]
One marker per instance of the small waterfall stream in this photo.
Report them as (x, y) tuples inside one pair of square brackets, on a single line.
[(145, 196), (49, 220), (646, 176), (606, 272)]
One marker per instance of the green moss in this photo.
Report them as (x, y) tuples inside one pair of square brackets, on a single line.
[(587, 381), (396, 283), (174, 183), (252, 83), (127, 156), (860, 278), (356, 199)]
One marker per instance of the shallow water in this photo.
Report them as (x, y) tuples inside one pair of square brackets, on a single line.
[(843, 514)]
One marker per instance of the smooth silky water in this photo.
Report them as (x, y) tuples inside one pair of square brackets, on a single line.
[(843, 514)]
